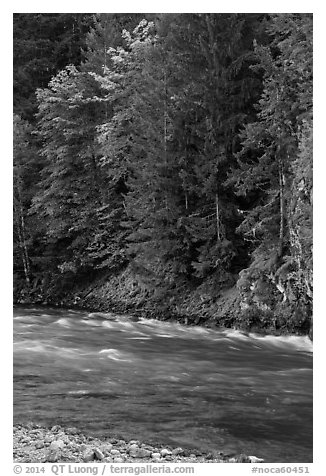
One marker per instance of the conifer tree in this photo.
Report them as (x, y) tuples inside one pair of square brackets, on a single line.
[(72, 184), (171, 135), (215, 92), (78, 199), (44, 43), (268, 162), (182, 144), (135, 139)]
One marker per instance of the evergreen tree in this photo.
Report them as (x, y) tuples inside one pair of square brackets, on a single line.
[(106, 33), (225, 41), (44, 43), (78, 199), (171, 135), (182, 144), (269, 163), (214, 92), (135, 139), (72, 184)]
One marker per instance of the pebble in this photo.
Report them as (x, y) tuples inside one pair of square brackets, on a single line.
[(115, 452), (106, 448), (139, 453), (88, 455), (34, 432), (52, 456), (57, 445), (63, 437), (37, 444), (98, 453), (178, 451), (133, 447), (72, 430), (168, 458), (156, 455)]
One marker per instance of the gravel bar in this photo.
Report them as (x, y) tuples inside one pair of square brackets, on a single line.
[(33, 443)]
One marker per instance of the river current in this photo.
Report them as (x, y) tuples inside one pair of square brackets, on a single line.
[(214, 390)]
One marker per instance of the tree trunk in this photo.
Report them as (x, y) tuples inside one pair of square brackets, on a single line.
[(217, 219), (214, 119), (165, 128), (282, 206), (20, 224)]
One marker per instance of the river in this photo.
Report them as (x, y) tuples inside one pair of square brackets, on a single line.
[(214, 390)]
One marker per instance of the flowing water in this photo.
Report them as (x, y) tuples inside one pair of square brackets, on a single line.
[(214, 390)]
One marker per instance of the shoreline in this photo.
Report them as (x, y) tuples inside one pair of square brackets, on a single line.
[(190, 321), (33, 443), (210, 304)]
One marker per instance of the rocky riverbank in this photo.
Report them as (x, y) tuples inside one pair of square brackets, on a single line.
[(214, 303), (33, 443)]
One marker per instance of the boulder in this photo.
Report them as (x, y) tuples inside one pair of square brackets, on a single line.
[(243, 459), (254, 459)]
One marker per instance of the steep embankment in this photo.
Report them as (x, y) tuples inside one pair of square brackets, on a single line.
[(257, 306)]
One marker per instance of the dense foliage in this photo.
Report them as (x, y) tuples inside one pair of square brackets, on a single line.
[(44, 43), (179, 145)]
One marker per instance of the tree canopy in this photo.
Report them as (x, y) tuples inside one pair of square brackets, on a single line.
[(178, 143)]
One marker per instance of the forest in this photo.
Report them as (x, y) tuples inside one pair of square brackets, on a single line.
[(163, 165)]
